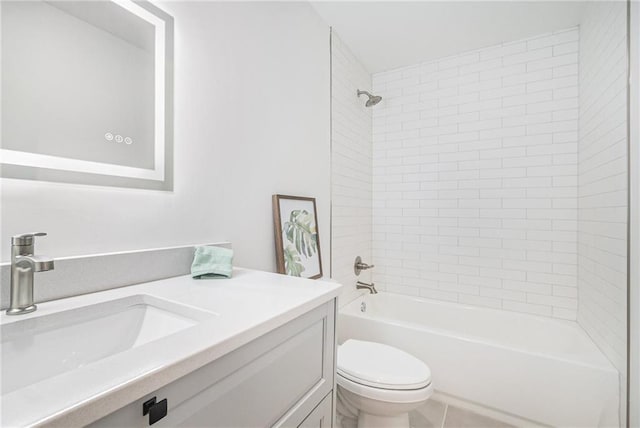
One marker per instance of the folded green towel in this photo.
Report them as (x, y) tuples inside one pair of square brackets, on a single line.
[(212, 262)]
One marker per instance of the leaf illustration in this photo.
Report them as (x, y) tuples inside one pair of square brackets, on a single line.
[(300, 230), (292, 265)]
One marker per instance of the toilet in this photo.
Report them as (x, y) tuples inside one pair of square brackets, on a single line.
[(380, 384)]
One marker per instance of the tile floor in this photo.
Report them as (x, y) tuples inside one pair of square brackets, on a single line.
[(435, 414)]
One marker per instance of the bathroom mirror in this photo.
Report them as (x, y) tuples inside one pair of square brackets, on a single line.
[(87, 92)]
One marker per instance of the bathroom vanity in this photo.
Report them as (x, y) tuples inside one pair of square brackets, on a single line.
[(254, 350), (279, 379)]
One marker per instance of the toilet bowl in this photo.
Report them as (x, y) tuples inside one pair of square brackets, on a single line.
[(380, 384)]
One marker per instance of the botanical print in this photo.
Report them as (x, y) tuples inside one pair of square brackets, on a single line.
[(292, 264), (302, 240), (297, 243)]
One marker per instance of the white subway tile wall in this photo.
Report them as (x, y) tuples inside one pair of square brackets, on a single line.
[(602, 178), (475, 170), (351, 175)]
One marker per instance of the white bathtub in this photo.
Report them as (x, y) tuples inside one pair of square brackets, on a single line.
[(536, 368)]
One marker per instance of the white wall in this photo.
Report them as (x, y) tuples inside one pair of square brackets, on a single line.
[(602, 213), (251, 119), (475, 175), (351, 175)]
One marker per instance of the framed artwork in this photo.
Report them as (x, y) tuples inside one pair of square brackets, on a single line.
[(297, 240)]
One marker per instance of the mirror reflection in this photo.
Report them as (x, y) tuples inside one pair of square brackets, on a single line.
[(82, 85)]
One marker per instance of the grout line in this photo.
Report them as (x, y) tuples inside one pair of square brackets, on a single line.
[(444, 415)]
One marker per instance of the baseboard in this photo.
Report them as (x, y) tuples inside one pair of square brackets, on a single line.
[(486, 411)]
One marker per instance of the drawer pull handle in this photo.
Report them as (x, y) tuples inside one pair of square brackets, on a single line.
[(156, 410)]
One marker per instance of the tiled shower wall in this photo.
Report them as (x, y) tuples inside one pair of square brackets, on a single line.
[(351, 179), (475, 177), (602, 194)]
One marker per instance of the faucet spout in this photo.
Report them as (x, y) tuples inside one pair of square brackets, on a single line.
[(371, 287), (35, 263)]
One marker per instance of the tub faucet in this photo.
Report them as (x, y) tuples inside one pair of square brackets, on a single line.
[(23, 265), (371, 287)]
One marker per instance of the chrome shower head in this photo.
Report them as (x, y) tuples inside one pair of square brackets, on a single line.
[(373, 99)]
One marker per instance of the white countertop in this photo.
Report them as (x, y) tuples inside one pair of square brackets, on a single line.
[(248, 305)]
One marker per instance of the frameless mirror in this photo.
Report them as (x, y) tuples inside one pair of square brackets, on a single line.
[(86, 92)]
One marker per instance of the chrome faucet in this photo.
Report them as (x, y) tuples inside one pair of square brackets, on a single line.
[(23, 265), (371, 287)]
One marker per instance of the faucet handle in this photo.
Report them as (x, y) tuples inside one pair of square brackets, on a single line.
[(25, 238), (358, 266)]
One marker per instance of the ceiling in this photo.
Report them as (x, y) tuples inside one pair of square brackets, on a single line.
[(389, 34)]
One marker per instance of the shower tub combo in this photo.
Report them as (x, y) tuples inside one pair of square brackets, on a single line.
[(540, 369)]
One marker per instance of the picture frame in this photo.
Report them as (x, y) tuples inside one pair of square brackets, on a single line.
[(297, 238)]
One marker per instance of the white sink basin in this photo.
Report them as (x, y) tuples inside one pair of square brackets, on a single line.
[(41, 347)]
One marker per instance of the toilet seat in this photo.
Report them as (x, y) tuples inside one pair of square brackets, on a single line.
[(385, 395), (380, 366)]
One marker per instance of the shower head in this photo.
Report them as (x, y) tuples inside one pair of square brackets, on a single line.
[(373, 99)]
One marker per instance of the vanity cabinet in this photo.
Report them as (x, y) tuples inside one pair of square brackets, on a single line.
[(322, 415), (284, 378)]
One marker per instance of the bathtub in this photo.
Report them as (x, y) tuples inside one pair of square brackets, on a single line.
[(540, 369)]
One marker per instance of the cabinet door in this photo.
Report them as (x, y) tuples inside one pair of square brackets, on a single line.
[(260, 392), (321, 416)]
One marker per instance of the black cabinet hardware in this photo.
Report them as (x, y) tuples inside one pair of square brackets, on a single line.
[(156, 410)]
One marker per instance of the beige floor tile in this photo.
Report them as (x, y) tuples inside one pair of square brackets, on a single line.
[(461, 418), (428, 416)]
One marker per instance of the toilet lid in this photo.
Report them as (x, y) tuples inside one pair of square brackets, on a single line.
[(381, 366)]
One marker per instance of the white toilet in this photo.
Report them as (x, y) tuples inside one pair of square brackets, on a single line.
[(380, 384)]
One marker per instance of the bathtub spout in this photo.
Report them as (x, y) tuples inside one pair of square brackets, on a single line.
[(371, 287)]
